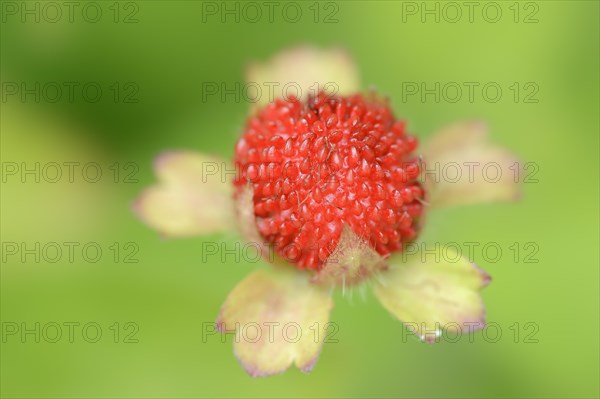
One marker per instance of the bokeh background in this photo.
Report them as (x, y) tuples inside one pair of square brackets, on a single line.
[(167, 51)]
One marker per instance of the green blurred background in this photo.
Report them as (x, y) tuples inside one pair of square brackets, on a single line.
[(168, 54)]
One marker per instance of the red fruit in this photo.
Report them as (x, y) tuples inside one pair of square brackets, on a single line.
[(317, 165)]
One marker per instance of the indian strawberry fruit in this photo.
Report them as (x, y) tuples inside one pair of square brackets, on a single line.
[(318, 164)]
